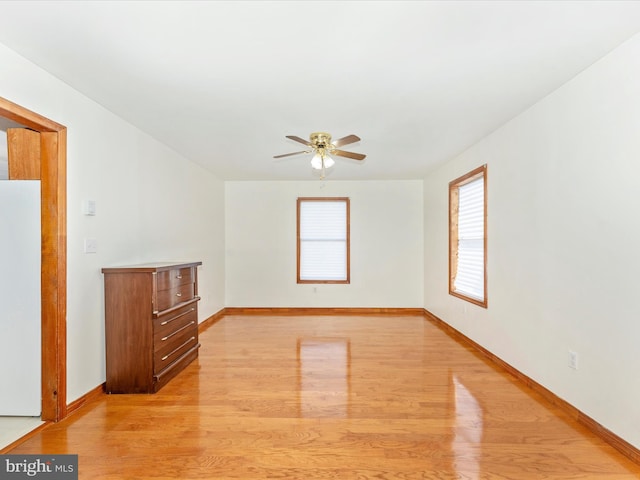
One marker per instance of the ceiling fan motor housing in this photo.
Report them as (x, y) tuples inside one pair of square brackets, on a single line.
[(320, 139)]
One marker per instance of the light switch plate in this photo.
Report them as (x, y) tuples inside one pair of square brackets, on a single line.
[(89, 207), (90, 245)]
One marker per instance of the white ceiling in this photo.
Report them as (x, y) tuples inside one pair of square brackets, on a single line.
[(224, 82)]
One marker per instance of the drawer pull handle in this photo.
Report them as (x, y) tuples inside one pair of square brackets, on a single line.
[(164, 339), (174, 351), (177, 316), (178, 276), (178, 294)]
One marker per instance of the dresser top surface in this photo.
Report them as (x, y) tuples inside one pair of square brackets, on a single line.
[(150, 267)]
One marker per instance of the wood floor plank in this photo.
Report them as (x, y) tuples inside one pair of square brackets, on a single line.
[(335, 397)]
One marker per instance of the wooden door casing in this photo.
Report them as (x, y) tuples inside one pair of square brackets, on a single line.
[(52, 174)]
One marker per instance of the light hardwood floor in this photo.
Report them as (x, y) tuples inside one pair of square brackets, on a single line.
[(330, 397)]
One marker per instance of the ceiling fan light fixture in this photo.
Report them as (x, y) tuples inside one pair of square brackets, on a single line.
[(317, 163), (328, 161)]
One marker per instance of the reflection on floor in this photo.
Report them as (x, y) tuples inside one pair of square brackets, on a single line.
[(13, 428)]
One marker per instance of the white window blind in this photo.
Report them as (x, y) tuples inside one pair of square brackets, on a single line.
[(323, 240), (469, 278)]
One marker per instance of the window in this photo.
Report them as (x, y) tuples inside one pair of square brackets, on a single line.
[(468, 237), (323, 240)]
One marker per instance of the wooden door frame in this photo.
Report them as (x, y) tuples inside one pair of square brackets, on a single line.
[(53, 187)]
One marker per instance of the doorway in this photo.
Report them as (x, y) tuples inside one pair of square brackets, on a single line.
[(50, 168), (20, 317)]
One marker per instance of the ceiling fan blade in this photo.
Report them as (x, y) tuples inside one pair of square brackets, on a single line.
[(346, 140), (355, 156), (291, 154), (300, 140)]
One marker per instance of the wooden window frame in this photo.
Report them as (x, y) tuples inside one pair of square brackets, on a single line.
[(454, 186), (323, 199)]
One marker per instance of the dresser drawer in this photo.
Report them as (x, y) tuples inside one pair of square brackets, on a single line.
[(174, 278), (167, 326), (173, 296), (175, 347)]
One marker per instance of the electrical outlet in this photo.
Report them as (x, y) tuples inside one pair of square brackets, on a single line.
[(573, 360)]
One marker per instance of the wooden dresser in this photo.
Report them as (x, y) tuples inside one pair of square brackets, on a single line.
[(151, 324)]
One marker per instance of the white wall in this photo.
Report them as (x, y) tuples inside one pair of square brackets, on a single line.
[(563, 236), (4, 160), (152, 205), (386, 245)]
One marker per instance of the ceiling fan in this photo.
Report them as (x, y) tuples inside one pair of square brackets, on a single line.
[(321, 145)]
